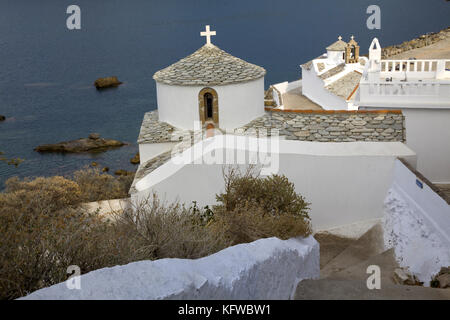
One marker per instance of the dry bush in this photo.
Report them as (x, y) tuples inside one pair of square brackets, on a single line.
[(246, 224), (43, 231), (252, 208), (275, 194), (169, 231), (96, 186), (44, 228)]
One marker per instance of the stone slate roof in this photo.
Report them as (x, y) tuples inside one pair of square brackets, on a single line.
[(209, 66), (333, 71), (308, 65), (155, 131), (337, 46), (344, 86)]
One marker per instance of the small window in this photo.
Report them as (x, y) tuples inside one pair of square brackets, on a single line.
[(208, 98)]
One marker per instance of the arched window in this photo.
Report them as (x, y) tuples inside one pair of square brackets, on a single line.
[(208, 103), (208, 100)]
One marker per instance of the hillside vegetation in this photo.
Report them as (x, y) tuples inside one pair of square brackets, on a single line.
[(44, 227)]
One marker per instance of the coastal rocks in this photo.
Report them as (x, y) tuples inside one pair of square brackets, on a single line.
[(94, 144), (422, 41), (107, 82), (122, 172), (135, 159), (2, 118)]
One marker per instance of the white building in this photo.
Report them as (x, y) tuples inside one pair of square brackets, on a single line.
[(421, 89), (332, 79), (209, 88)]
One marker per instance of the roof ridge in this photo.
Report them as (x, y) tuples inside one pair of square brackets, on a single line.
[(209, 65)]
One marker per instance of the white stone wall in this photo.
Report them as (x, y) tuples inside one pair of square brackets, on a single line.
[(344, 182), (314, 89), (417, 224), (264, 269), (336, 56), (238, 104), (428, 134), (148, 151)]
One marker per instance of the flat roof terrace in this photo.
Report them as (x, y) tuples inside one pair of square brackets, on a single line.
[(295, 100)]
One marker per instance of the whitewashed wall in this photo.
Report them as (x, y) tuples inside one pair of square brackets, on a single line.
[(428, 134), (264, 269), (313, 88), (284, 87), (344, 182), (239, 104), (148, 151), (417, 224), (337, 56)]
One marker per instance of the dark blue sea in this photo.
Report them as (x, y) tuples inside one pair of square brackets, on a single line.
[(47, 71)]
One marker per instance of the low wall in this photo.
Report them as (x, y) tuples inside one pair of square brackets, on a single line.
[(264, 269), (333, 126), (417, 223), (314, 89), (283, 87)]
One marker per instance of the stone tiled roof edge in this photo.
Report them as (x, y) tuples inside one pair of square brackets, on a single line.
[(336, 111), (209, 65), (208, 83)]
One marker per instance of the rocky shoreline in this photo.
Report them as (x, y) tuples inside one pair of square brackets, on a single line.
[(422, 41), (93, 144)]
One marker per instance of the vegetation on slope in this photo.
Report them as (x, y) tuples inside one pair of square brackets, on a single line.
[(44, 227)]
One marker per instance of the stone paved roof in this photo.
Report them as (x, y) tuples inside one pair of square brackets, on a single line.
[(208, 66), (344, 86), (333, 71), (308, 65), (337, 46), (155, 131)]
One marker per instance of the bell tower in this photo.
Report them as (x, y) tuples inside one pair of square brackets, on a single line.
[(374, 67), (352, 51)]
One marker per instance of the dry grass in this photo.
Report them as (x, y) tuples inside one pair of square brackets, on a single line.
[(44, 228)]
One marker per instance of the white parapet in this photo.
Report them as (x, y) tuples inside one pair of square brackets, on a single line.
[(412, 83), (264, 269), (417, 224)]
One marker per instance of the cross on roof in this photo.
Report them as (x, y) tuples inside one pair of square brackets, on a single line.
[(352, 37), (208, 34), (339, 38)]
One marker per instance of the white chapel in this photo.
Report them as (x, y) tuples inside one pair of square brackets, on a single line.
[(211, 87)]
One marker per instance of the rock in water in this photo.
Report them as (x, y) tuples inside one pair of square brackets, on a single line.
[(2, 118), (93, 143), (94, 136), (107, 82), (135, 159), (122, 172)]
